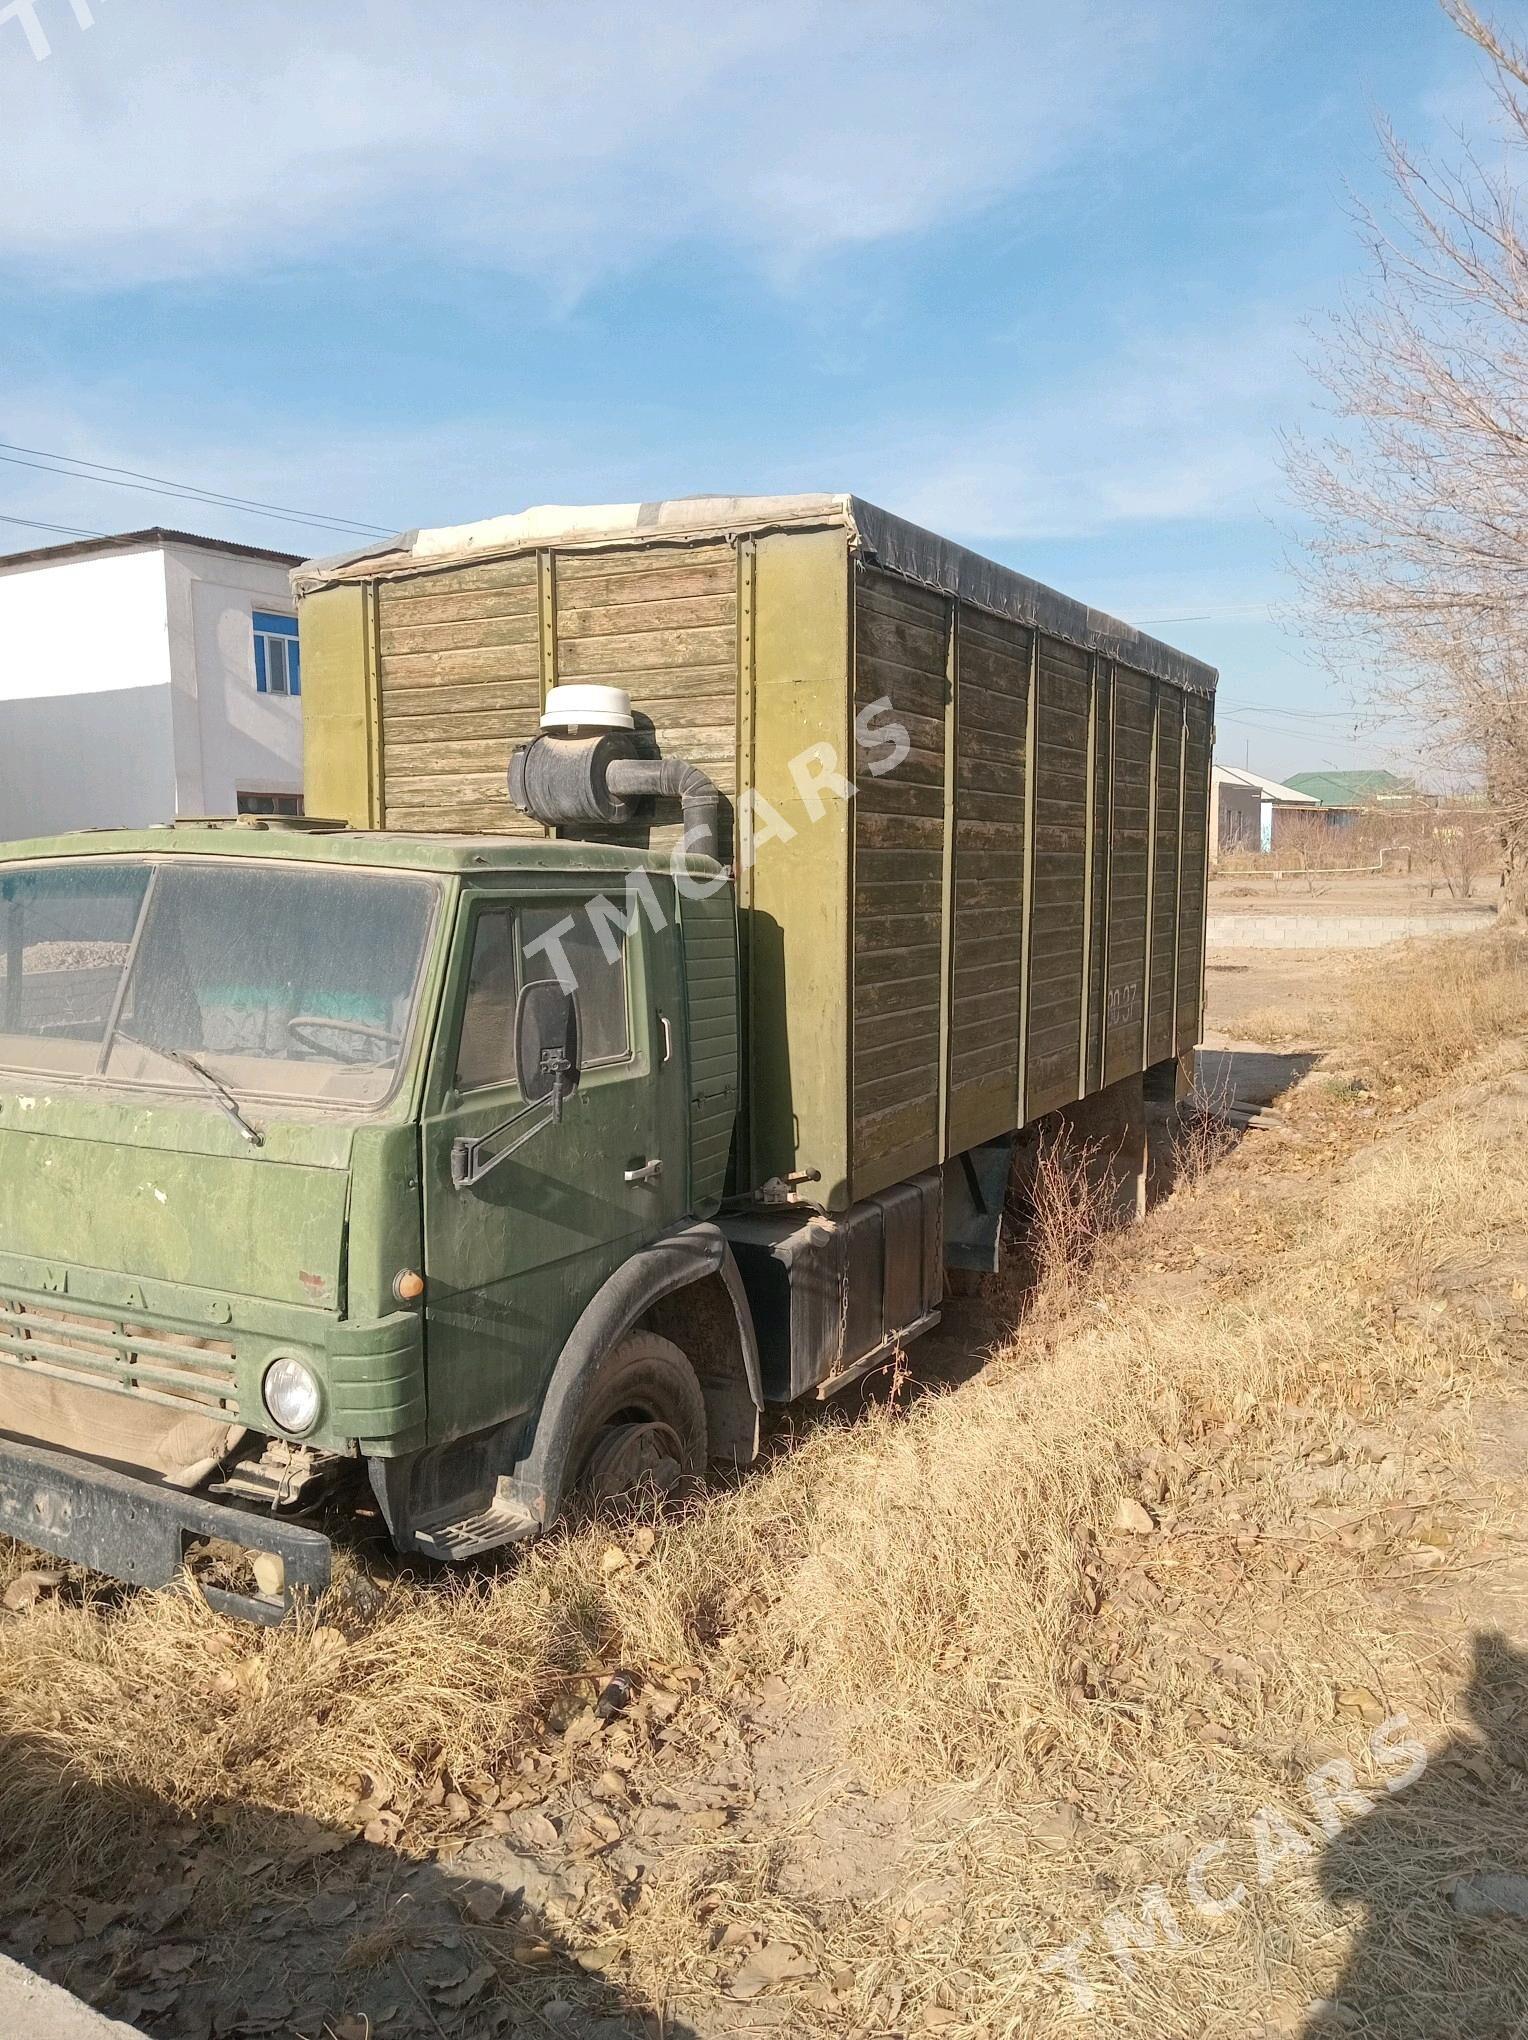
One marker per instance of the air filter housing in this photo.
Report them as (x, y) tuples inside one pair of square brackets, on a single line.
[(570, 710)]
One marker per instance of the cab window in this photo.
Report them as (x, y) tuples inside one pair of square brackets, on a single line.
[(298, 981), (514, 946)]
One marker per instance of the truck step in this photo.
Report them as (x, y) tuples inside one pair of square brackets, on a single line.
[(506, 1520)]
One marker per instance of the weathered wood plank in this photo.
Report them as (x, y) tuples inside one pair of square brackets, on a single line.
[(649, 564), (456, 633), (491, 577), (452, 668), (701, 647)]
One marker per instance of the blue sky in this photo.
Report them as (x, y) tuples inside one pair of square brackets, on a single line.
[(1040, 277)]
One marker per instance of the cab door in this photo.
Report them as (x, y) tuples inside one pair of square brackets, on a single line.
[(511, 1261)]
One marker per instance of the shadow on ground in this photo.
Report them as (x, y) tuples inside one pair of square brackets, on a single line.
[(1247, 1078), (1441, 1871), (250, 1923)]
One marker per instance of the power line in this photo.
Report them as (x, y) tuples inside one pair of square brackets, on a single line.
[(1293, 732), (209, 497), (1231, 712), (1297, 715), (68, 530), (1336, 715), (48, 461), (1275, 727)]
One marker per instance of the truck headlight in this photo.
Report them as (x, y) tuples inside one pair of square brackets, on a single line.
[(290, 1393)]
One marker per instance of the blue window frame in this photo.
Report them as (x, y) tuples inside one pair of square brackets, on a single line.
[(278, 661)]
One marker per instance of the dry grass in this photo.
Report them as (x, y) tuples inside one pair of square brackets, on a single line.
[(1311, 844), (983, 1611), (1285, 1026), (948, 1579), (1417, 1012), (158, 1698), (1421, 1011)]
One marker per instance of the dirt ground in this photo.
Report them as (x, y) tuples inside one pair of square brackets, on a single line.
[(1339, 892), (1273, 996), (781, 1877)]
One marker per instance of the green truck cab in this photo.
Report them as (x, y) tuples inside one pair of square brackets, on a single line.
[(722, 898), (258, 1218)]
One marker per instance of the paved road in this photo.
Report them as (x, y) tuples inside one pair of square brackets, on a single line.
[(38, 2010)]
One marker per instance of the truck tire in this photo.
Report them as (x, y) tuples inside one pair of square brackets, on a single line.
[(642, 1425)]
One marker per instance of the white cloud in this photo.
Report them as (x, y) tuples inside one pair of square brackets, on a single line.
[(1160, 428), (179, 139)]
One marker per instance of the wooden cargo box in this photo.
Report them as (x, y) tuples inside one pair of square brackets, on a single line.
[(1008, 919)]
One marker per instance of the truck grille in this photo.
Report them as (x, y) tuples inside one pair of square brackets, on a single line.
[(172, 1368)]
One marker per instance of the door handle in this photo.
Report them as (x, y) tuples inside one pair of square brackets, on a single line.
[(648, 1173)]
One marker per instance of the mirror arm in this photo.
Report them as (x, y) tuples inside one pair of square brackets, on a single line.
[(468, 1163)]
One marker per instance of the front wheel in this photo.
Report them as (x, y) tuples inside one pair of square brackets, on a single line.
[(642, 1426)]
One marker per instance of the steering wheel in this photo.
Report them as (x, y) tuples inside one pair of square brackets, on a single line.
[(301, 1028)]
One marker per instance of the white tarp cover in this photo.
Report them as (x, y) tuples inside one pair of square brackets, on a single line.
[(893, 543)]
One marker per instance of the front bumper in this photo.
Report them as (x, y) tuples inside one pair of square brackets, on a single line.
[(133, 1530)]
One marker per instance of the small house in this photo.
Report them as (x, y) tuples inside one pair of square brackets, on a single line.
[(1242, 809), (147, 677)]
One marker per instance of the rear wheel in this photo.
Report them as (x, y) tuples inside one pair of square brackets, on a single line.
[(642, 1426)]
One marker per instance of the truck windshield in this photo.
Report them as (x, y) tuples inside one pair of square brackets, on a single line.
[(285, 981)]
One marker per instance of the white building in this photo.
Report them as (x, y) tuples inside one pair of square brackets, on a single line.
[(1242, 806), (144, 678)]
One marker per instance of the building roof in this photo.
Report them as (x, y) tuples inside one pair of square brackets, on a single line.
[(1350, 789), (140, 541), (1269, 789), (874, 534)]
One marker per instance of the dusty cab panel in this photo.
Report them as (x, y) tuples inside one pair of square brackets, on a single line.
[(242, 1262), (204, 1058)]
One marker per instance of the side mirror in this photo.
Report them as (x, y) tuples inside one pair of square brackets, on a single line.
[(546, 1043), (546, 1067)]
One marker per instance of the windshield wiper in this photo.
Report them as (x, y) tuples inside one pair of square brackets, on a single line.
[(220, 1091)]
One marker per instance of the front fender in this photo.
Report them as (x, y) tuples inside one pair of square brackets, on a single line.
[(676, 1261), (457, 1500)]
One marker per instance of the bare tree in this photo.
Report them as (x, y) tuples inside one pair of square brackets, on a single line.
[(1462, 847), (1416, 567)]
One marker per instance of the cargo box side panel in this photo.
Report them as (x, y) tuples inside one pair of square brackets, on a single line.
[(662, 622), (1198, 717), (460, 669), (339, 705), (1098, 889), (901, 660), (793, 879), (1125, 990), (987, 951), (1058, 903), (1161, 1020)]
